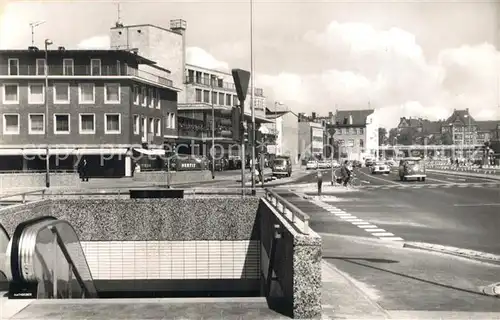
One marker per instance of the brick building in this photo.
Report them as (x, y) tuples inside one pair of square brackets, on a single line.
[(102, 104)]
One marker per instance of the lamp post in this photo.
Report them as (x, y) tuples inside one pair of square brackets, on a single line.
[(212, 149), (331, 131), (48, 42), (276, 104)]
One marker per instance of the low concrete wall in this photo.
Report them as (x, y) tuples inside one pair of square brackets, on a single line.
[(206, 243), (296, 290), (176, 177), (35, 180)]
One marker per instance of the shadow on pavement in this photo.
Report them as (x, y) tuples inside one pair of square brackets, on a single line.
[(374, 260), (350, 260)]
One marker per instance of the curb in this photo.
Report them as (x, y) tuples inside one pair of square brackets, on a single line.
[(494, 177), (458, 252)]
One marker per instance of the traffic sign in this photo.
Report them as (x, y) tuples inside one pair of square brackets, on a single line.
[(241, 78)]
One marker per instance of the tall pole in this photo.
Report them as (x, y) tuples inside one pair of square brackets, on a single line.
[(212, 150), (243, 155), (47, 156), (33, 25), (252, 77)]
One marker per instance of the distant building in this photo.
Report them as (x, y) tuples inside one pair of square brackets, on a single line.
[(356, 134), (102, 104), (311, 137), (286, 130), (460, 126)]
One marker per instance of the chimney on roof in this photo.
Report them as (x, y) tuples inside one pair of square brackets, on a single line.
[(33, 49), (332, 118), (350, 118)]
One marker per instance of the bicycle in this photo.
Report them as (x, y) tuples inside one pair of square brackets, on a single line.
[(353, 182)]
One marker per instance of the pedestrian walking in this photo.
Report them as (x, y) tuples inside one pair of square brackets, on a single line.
[(84, 170), (319, 177)]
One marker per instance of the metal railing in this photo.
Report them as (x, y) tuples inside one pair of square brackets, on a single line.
[(22, 196), (298, 218), (84, 70), (207, 81)]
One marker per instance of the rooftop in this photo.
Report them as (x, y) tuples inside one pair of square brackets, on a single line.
[(358, 116), (72, 52)]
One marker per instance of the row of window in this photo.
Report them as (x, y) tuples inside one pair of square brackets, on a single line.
[(62, 123), (223, 99), (353, 131), (351, 143), (146, 97), (140, 124), (61, 93), (152, 126), (68, 67)]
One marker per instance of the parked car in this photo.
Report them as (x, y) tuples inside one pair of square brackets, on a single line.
[(324, 165), (380, 167), (369, 162), (312, 165), (412, 168), (357, 164), (282, 167)]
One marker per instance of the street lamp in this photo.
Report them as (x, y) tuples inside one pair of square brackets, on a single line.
[(276, 104), (48, 42), (212, 149)]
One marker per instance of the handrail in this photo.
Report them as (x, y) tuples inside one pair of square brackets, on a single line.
[(26, 248), (277, 201), (64, 250), (23, 194)]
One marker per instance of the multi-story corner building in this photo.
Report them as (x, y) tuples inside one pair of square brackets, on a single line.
[(202, 88), (208, 91), (311, 135), (102, 104), (286, 130), (356, 134)]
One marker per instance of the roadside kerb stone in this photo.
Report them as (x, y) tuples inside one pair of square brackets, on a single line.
[(467, 174), (460, 252)]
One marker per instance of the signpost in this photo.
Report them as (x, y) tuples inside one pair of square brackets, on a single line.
[(241, 79)]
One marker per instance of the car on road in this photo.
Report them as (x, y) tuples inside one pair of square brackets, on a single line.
[(391, 162), (380, 167), (412, 168), (369, 162), (357, 164), (324, 165), (282, 167), (312, 165)]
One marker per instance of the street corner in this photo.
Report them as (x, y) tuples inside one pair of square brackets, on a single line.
[(459, 252)]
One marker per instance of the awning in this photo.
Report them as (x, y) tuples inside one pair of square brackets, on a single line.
[(96, 151), (151, 152), (11, 152), (36, 152)]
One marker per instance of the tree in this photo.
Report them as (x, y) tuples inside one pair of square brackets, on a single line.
[(382, 136)]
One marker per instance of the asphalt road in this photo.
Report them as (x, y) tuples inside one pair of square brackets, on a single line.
[(445, 210)]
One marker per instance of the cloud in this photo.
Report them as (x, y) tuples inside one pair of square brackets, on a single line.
[(201, 58), (96, 42), (388, 68)]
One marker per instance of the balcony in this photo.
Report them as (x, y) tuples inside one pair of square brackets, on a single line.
[(221, 85), (84, 71)]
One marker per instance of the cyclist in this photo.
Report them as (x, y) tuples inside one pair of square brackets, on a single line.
[(345, 173)]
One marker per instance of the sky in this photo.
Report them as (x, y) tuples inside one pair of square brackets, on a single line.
[(401, 58)]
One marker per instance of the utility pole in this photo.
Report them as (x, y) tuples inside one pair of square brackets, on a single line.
[(252, 106), (33, 25)]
